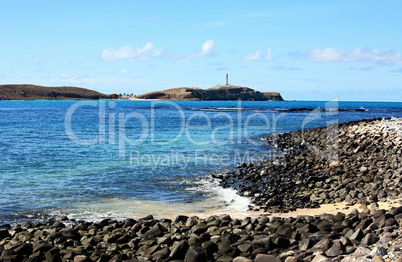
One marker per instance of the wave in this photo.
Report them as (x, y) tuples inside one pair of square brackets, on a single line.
[(227, 197), (214, 200)]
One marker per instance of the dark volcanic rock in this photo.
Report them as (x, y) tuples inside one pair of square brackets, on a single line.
[(179, 252), (195, 254), (312, 167), (225, 239)]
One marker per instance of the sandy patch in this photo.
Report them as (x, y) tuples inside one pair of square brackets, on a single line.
[(342, 207)]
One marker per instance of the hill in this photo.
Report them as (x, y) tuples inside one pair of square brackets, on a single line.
[(228, 92), (35, 92)]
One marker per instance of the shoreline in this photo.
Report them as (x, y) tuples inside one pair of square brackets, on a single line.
[(364, 223), (353, 162)]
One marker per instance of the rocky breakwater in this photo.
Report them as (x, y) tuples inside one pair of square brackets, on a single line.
[(356, 162), (372, 236)]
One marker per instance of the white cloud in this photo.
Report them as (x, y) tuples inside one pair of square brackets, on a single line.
[(149, 51), (123, 71), (207, 47), (389, 57), (252, 57), (268, 56), (127, 52)]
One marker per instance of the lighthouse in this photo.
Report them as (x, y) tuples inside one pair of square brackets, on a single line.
[(227, 79)]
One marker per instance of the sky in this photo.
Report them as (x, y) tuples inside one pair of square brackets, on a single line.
[(306, 50)]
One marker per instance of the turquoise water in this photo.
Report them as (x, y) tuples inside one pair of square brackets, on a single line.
[(96, 159)]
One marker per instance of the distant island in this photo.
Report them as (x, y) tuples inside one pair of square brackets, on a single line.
[(219, 92), (35, 92), (224, 92)]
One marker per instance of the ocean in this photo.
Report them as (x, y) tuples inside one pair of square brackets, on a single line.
[(92, 160)]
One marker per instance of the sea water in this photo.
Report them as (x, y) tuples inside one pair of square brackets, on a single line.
[(116, 159)]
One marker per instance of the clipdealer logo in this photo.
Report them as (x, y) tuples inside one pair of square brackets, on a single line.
[(195, 158), (113, 128)]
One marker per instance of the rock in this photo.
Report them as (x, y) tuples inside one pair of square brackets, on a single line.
[(22, 249), (336, 249), (199, 229), (58, 224), (224, 258), (322, 245), (195, 254), (281, 242), (80, 258), (129, 222), (378, 259), (155, 231), (378, 251), (369, 239), (242, 259), (305, 244), (179, 251), (325, 226), (4, 234), (286, 254), (210, 248), (345, 241), (321, 258), (150, 251), (361, 252), (244, 248), (266, 258), (161, 254), (181, 218), (357, 235), (292, 259), (265, 242), (41, 246), (395, 210)]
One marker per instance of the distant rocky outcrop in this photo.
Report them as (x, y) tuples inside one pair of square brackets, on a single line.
[(35, 92), (227, 92), (273, 96)]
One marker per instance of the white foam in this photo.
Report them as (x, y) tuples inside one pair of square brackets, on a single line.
[(217, 200), (228, 197)]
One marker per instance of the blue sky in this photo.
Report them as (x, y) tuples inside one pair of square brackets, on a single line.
[(315, 50)]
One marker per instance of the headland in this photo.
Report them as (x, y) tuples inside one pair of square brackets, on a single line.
[(219, 92), (35, 92), (227, 92)]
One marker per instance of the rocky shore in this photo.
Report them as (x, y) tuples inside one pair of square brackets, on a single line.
[(352, 162), (364, 236)]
